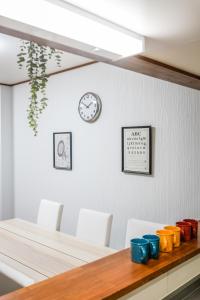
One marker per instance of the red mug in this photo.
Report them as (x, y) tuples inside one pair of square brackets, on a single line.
[(194, 224), (186, 230)]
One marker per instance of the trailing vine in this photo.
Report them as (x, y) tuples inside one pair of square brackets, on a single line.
[(35, 59)]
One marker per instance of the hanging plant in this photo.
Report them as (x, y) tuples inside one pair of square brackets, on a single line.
[(35, 59)]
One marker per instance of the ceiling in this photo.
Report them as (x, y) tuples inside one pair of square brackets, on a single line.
[(9, 48), (171, 28)]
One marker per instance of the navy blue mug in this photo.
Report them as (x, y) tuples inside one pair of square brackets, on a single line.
[(154, 245), (139, 250)]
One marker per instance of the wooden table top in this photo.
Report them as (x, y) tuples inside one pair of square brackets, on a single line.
[(40, 254), (107, 278)]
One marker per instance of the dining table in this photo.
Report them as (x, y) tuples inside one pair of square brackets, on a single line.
[(31, 253), (90, 272)]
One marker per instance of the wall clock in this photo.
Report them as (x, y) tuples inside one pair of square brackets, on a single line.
[(89, 107)]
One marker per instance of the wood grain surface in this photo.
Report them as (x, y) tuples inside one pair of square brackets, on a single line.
[(107, 278), (40, 254), (61, 242)]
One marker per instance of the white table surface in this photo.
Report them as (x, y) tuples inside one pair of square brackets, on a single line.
[(39, 254)]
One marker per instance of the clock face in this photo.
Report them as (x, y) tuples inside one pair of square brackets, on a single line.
[(89, 107)]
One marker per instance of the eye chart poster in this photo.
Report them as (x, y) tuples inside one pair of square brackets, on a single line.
[(136, 149)]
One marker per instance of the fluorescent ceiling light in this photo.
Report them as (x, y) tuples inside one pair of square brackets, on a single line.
[(65, 21)]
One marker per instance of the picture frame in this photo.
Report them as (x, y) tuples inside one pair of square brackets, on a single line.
[(137, 149), (62, 150)]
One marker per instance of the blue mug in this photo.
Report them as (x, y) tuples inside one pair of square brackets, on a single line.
[(154, 245), (139, 250)]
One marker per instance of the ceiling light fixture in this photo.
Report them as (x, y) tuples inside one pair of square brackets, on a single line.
[(90, 31)]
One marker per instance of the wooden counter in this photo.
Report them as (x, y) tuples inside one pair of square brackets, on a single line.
[(107, 278)]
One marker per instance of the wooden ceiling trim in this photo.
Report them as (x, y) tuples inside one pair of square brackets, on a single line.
[(159, 70), (138, 63), (58, 72)]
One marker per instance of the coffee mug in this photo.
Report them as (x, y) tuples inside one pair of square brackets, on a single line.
[(194, 224), (139, 250), (166, 240), (186, 230), (177, 234), (154, 245)]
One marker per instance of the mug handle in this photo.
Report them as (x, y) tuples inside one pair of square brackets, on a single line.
[(153, 249), (194, 231), (182, 234), (143, 252), (165, 243), (175, 239)]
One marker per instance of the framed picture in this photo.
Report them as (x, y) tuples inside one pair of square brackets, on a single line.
[(62, 150), (136, 150)]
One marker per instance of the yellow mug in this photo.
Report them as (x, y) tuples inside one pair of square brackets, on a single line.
[(177, 234), (166, 240)]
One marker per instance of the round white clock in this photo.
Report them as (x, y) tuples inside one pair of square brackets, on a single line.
[(89, 107)]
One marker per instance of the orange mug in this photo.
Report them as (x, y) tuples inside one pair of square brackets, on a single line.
[(177, 234), (166, 240)]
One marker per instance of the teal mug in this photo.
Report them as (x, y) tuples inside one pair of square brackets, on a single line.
[(139, 250), (154, 245)]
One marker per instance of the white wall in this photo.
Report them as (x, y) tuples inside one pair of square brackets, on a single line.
[(96, 180), (6, 153)]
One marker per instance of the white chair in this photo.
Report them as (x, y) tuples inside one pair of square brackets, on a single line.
[(94, 227), (50, 215), (137, 228)]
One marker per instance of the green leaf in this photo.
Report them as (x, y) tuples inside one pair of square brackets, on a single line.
[(35, 59)]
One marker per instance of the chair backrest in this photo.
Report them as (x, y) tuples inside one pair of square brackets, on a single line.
[(94, 227), (137, 228), (50, 215)]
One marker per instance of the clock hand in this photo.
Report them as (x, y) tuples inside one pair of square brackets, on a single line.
[(89, 105), (84, 104)]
